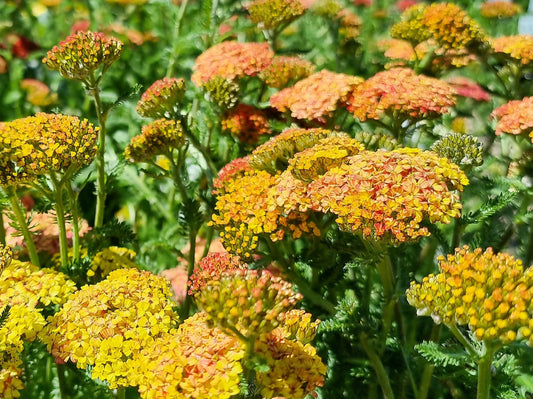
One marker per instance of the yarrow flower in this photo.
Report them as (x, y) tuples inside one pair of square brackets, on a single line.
[(236, 167), (500, 9), (109, 259), (350, 25), (385, 195), (245, 122), (465, 87), (10, 375), (514, 48), (157, 138), (231, 60), (82, 53), (211, 267), (461, 149), (402, 94), (286, 70), (38, 93), (44, 143), (317, 96), (162, 98), (6, 255), (270, 14), (222, 92), (491, 293), (515, 117), (107, 324)]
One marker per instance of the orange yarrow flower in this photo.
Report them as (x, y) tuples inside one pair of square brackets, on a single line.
[(38, 93), (234, 168), (500, 9), (285, 70), (245, 122), (211, 267), (231, 60), (162, 98), (515, 117), (514, 48)]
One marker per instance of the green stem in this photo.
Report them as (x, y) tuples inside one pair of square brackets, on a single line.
[(175, 35), (462, 339), (423, 388), (20, 215), (121, 393), (60, 214), (73, 199), (63, 387), (378, 367), (387, 278), (2, 228), (190, 267), (484, 375)]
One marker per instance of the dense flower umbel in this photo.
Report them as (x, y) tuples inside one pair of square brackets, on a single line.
[(109, 259), (401, 93), (247, 302), (285, 70), (514, 48), (468, 88), (234, 168), (269, 14), (500, 9), (162, 98), (195, 362), (44, 143), (82, 53), (275, 153), (222, 92), (489, 292), (461, 149), (317, 96), (211, 267), (446, 23), (515, 117), (157, 138), (10, 375), (107, 324), (6, 255), (385, 195), (246, 123), (231, 60)]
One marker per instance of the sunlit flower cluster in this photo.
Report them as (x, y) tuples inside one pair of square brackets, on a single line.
[(350, 25), (317, 96), (109, 259), (515, 117), (38, 93), (37, 145), (231, 60), (197, 361), (6, 255), (446, 23), (269, 14), (247, 303), (465, 87), (222, 92), (238, 239), (157, 138), (385, 195), (236, 167), (211, 267), (10, 375), (82, 53), (285, 70), (461, 149), (162, 98), (500, 9), (517, 48), (491, 293), (107, 324), (245, 122), (401, 93)]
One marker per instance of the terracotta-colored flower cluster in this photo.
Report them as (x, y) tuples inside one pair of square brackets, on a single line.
[(236, 167), (317, 96), (402, 94), (109, 259), (465, 87), (107, 324), (231, 60), (44, 143), (211, 267), (38, 93), (500, 9), (222, 92), (491, 293), (82, 53), (514, 48), (245, 122), (270, 14), (446, 23), (285, 70), (385, 195), (461, 149), (157, 138), (162, 98), (515, 117)]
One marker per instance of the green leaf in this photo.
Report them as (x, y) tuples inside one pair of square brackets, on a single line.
[(443, 356)]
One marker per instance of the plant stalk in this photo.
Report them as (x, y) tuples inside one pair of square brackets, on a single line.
[(378, 367), (484, 375)]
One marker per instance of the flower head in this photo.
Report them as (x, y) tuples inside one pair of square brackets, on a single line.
[(6, 255), (269, 14), (350, 25), (500, 9), (157, 138), (515, 117), (211, 267), (517, 48), (491, 293), (317, 96), (162, 98), (10, 375), (231, 60), (286, 70), (222, 92), (109, 259), (82, 53), (465, 87), (236, 167), (245, 122), (38, 93), (461, 149)]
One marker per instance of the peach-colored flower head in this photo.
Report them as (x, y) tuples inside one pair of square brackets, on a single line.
[(515, 117), (500, 9), (465, 87), (317, 96), (350, 25), (245, 122), (211, 268), (514, 48), (400, 93), (231, 60), (491, 293), (162, 98), (269, 14), (236, 167), (285, 70), (38, 93), (385, 195), (403, 5), (82, 53)]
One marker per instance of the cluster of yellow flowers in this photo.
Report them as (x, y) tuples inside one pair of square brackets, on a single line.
[(491, 293), (317, 96), (162, 98), (245, 122), (82, 53), (285, 70), (222, 92), (500, 9), (109, 259), (270, 14), (44, 143), (514, 48), (157, 138), (515, 117), (236, 167), (107, 324)]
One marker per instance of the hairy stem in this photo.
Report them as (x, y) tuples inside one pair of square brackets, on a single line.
[(484, 375)]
